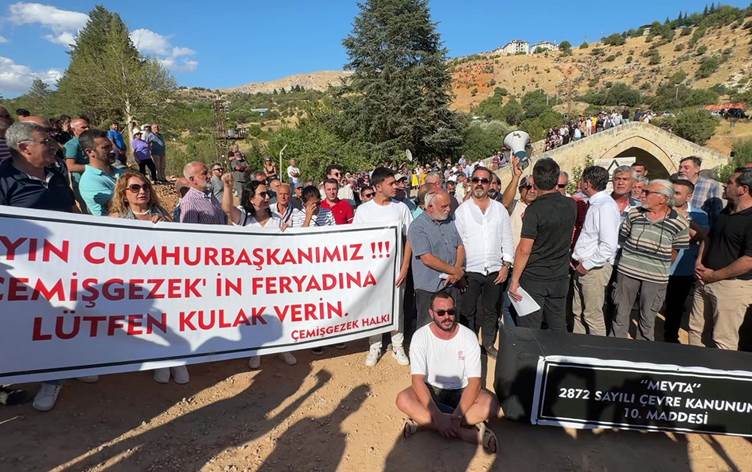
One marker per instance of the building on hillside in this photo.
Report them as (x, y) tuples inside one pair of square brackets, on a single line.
[(543, 46), (513, 47)]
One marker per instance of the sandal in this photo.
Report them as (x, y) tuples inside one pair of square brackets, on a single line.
[(488, 438), (410, 428)]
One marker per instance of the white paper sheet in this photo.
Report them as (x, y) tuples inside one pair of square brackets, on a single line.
[(525, 306)]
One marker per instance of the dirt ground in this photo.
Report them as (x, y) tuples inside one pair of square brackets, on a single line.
[(326, 413)]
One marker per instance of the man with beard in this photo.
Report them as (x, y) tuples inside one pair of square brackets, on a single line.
[(445, 393), (199, 205), (623, 179), (98, 180), (438, 254), (486, 232)]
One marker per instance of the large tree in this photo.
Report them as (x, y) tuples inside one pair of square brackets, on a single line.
[(398, 95), (107, 77)]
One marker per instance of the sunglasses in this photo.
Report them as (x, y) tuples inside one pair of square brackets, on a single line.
[(526, 187), (450, 312), (135, 188), (44, 142), (561, 185), (478, 180), (263, 194), (367, 195), (215, 170)]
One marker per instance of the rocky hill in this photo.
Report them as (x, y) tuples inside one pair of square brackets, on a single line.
[(320, 80)]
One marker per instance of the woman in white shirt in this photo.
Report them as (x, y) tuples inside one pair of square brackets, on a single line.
[(254, 212)]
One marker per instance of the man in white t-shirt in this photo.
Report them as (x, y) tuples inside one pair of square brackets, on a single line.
[(446, 394), (293, 173), (383, 208)]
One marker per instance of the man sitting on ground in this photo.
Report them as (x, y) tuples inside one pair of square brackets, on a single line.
[(446, 394)]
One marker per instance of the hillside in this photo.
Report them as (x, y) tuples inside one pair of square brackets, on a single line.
[(320, 80), (634, 63)]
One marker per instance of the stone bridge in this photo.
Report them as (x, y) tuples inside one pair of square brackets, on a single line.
[(660, 150)]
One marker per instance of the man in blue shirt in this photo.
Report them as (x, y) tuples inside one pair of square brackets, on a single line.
[(116, 137), (98, 180), (75, 158), (682, 278)]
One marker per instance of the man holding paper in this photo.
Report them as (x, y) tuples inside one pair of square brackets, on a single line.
[(541, 262)]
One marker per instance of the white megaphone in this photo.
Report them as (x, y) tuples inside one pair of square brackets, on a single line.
[(517, 141)]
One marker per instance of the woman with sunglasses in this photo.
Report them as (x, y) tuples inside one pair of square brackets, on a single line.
[(253, 212), (134, 199)]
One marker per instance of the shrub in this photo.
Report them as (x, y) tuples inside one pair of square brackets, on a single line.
[(610, 58), (584, 45), (708, 65), (694, 125), (615, 39)]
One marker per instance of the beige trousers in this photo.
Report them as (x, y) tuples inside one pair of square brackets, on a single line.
[(717, 313), (589, 296)]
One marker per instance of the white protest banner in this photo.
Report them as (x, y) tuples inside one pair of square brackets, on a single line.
[(84, 295)]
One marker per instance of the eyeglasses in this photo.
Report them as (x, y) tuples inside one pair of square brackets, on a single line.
[(648, 192), (263, 194), (44, 142), (450, 312), (561, 185), (367, 195), (478, 180), (217, 170), (135, 188), (526, 187)]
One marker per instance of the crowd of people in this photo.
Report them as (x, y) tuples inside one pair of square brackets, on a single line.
[(472, 250), (587, 125)]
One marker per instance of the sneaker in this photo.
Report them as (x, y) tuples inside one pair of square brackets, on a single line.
[(288, 358), (89, 379), (254, 362), (373, 355), (12, 396), (180, 374), (317, 351), (46, 397), (162, 376), (399, 354)]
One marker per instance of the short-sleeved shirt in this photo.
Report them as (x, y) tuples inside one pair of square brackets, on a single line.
[(342, 211), (96, 188), (438, 238), (73, 151), (393, 212), (21, 190), (323, 218), (271, 225), (684, 264), (141, 150), (157, 144), (117, 138), (549, 221), (647, 246), (445, 363), (202, 208), (708, 196), (730, 239)]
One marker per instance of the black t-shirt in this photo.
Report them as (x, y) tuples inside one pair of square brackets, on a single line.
[(549, 221), (19, 190), (730, 239)]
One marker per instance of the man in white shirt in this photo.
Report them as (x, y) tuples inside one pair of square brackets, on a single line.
[(383, 208), (486, 233), (446, 394), (594, 253), (293, 173)]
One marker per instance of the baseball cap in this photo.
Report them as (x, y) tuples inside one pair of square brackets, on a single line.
[(399, 177)]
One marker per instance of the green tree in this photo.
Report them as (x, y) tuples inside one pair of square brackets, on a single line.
[(399, 93), (512, 112), (566, 48), (107, 78), (694, 125), (615, 39), (482, 139), (38, 98)]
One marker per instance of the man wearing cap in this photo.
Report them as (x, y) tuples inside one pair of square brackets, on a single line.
[(142, 155), (516, 207)]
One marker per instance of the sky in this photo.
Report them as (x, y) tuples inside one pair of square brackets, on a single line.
[(226, 43)]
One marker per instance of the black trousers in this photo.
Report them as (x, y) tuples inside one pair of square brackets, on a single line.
[(152, 169), (551, 295), (677, 300), (480, 306)]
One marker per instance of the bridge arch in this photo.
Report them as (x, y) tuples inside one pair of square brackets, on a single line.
[(657, 160)]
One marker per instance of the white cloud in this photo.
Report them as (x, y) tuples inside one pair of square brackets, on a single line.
[(18, 77), (63, 24), (157, 46), (3, 39)]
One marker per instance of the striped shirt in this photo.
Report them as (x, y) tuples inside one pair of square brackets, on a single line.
[(708, 197), (202, 208), (325, 217), (4, 151), (647, 245)]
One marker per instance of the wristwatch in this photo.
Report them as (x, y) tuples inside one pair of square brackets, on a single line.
[(506, 264)]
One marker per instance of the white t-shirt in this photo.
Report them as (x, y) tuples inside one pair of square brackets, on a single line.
[(272, 224), (393, 212), (447, 364), (293, 173)]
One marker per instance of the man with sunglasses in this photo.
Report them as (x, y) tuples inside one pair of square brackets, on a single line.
[(218, 187), (366, 194), (446, 395), (486, 232)]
